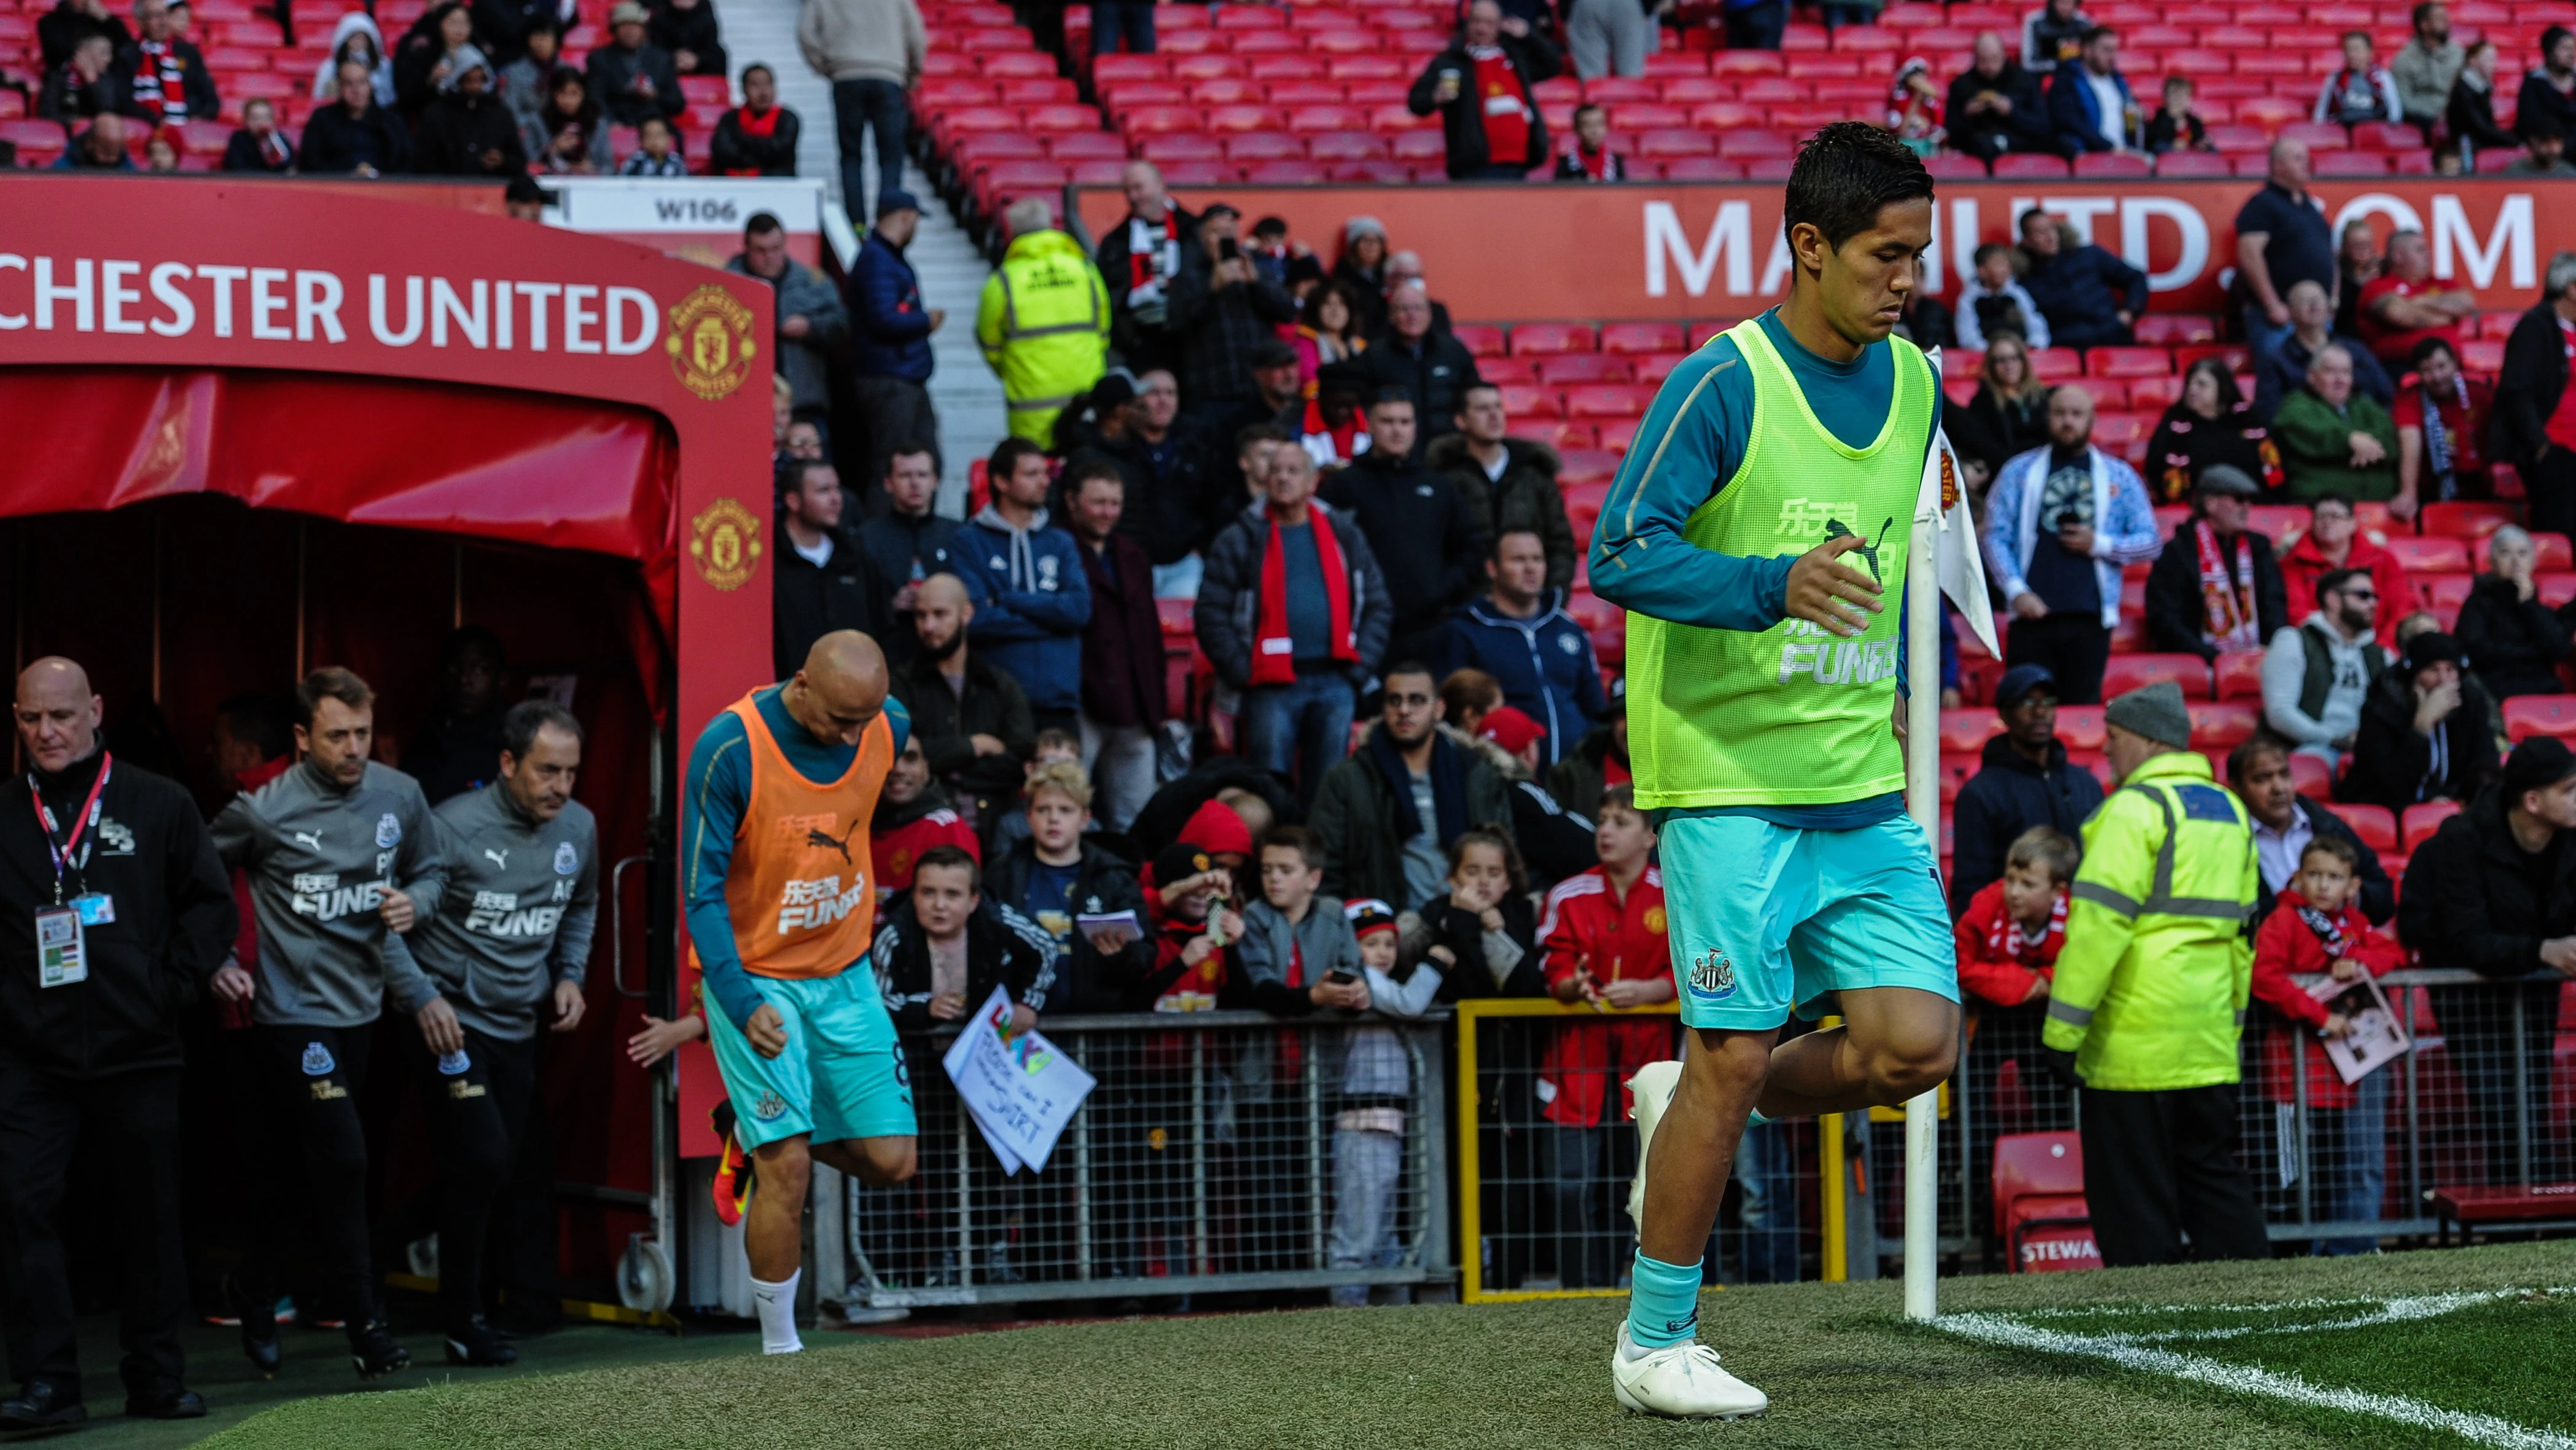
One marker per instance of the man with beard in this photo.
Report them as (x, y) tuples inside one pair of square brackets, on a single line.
[(1426, 539), (971, 720)]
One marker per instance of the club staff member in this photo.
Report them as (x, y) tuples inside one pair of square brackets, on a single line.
[(781, 788), (507, 944), (112, 863), (342, 855)]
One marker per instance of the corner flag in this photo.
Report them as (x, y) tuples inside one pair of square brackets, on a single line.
[(1943, 506)]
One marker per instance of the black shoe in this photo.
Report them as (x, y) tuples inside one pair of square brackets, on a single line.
[(258, 1316), (42, 1405), (373, 1350), (166, 1399), (475, 1344)]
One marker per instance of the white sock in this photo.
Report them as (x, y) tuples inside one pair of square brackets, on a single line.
[(777, 1306)]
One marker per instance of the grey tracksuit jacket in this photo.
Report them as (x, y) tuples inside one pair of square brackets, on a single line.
[(521, 901), (319, 859)]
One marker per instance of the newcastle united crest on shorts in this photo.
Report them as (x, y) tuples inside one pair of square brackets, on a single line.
[(770, 1107), (1712, 975)]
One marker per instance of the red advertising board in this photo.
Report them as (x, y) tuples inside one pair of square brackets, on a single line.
[(1514, 252)]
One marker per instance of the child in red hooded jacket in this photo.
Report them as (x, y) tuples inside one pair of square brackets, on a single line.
[(2319, 930), (2007, 943)]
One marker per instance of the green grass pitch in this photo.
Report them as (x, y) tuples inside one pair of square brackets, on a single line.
[(2461, 1348)]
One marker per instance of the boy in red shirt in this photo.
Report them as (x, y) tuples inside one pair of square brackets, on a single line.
[(913, 816), (1605, 945), (2008, 942), (2319, 931)]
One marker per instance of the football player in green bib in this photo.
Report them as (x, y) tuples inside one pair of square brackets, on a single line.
[(1757, 536)]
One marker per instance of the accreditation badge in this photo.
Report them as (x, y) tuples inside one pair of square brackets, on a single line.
[(61, 958)]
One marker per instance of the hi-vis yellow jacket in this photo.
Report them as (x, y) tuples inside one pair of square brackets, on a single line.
[(1043, 323), (2152, 984)]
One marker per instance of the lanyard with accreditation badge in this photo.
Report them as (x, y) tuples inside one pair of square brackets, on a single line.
[(62, 957)]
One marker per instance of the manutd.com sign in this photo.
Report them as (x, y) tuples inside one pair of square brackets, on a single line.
[(1508, 252)]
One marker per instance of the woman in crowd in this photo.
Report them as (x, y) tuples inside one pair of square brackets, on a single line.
[(2210, 425), (2471, 117), (1481, 932), (570, 138), (1331, 332), (2513, 641), (355, 38), (2008, 415), (428, 56), (1362, 268)]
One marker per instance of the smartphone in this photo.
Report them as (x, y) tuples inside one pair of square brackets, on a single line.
[(1227, 249), (1340, 977)]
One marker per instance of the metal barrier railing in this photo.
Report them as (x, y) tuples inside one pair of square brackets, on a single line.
[(1219, 1152), (1546, 1152)]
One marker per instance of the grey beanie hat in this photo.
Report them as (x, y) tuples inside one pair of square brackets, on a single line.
[(2155, 711)]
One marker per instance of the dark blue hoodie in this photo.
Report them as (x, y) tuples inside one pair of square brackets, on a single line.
[(1035, 601), (889, 326), (1545, 663)]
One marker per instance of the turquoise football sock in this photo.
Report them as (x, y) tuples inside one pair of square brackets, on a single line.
[(1663, 1302)]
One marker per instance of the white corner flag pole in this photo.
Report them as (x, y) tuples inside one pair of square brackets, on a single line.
[(1923, 801)]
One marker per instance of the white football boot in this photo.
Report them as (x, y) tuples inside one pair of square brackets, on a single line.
[(1653, 1086), (1681, 1382)]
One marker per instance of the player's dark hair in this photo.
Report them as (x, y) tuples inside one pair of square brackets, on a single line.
[(761, 224), (1089, 469), (1006, 459), (1845, 174), (953, 857), (1292, 838), (1055, 739), (2424, 351), (519, 728), (911, 448), (1489, 836), (330, 683)]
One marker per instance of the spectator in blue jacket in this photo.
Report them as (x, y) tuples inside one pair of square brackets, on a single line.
[(2023, 780), (890, 330), (1036, 596), (1521, 635), (2089, 103), (2090, 298)]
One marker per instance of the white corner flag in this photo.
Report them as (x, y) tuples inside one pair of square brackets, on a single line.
[(1943, 506)]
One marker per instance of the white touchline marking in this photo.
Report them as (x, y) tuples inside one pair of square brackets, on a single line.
[(2246, 1379)]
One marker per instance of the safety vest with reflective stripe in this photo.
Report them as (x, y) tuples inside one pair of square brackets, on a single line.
[(2151, 988), (1044, 327)]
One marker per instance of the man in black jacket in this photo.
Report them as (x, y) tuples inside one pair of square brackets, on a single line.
[(1995, 106), (2024, 780), (2286, 821), (2494, 892), (1427, 541), (1480, 87), (1174, 500), (947, 912), (162, 78), (1222, 312), (824, 582), (2187, 613), (2090, 297), (118, 914), (353, 134), (633, 77), (1431, 366), (1055, 876), (1139, 260), (908, 543), (2423, 734), (2528, 432), (971, 719), (467, 131)]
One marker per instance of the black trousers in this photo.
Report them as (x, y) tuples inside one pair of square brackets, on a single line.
[(2478, 1035), (2158, 1165), (477, 1119), (43, 1120), (2073, 646), (316, 1168), (2551, 485)]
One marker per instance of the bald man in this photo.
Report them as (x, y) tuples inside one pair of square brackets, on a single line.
[(781, 787), (974, 722), (114, 910)]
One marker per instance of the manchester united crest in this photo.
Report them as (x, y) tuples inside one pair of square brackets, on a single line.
[(1949, 482), (711, 343), (1655, 920), (724, 542)]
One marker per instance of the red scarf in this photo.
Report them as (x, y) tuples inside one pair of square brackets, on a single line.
[(1348, 437), (754, 123), (1593, 164), (2227, 612), (1505, 108), (1274, 650), (2005, 942), (161, 82)]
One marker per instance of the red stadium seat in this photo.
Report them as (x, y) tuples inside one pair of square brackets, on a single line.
[(2079, 727), (1307, 119), (1954, 166), (2430, 555), (2469, 519), (1531, 402), (1639, 337), (1536, 339), (2029, 166), (2550, 551), (1675, 143), (1965, 732), (1264, 146), (2376, 826), (2310, 776), (1483, 340), (1561, 370), (2129, 672), (1188, 146), (2056, 364), (1418, 145), (2040, 1210), (1608, 400), (1332, 146), (2107, 164), (2529, 715), (2222, 726), (2127, 362), (1583, 466), (2345, 165), (2422, 821), (2194, 165), (1285, 171), (2154, 395)]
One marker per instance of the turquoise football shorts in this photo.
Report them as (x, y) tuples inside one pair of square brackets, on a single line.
[(842, 1076)]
